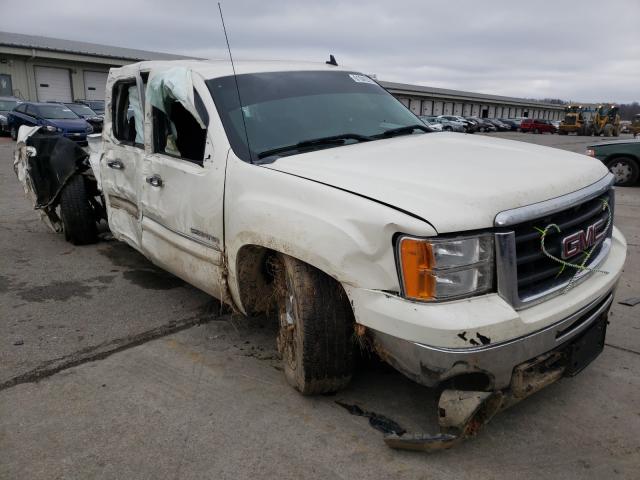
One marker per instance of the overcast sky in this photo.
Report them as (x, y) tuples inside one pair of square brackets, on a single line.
[(587, 50)]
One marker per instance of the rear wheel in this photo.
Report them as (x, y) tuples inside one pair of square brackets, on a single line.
[(316, 327), (625, 170), (14, 132), (536, 131), (78, 217)]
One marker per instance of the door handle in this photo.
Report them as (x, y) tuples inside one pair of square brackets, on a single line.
[(154, 181), (115, 164)]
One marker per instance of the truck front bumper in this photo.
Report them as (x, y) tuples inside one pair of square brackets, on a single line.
[(430, 365), (433, 342)]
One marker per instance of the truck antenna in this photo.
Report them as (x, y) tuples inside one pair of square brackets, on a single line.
[(235, 78)]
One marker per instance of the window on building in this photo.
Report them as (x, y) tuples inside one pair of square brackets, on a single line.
[(6, 89)]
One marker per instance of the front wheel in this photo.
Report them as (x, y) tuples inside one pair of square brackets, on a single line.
[(625, 170), (315, 337), (14, 133)]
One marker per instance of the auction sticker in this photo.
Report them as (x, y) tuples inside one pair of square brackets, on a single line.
[(361, 78)]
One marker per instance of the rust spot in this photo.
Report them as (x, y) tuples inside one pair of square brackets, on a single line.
[(483, 339), (360, 330), (473, 342), (463, 336)]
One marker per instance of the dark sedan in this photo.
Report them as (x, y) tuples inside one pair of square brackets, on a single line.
[(95, 105), (622, 158), (52, 117), (6, 105), (89, 115)]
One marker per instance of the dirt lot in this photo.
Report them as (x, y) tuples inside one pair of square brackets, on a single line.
[(111, 368)]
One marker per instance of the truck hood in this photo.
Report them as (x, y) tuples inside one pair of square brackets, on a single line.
[(454, 181)]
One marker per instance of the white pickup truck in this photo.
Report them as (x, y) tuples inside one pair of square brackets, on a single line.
[(308, 190)]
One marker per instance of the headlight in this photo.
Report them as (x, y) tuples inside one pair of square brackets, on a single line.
[(51, 128), (89, 129), (3, 119), (445, 269), (591, 152)]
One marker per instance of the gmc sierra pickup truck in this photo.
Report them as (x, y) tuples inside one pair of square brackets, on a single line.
[(308, 191)]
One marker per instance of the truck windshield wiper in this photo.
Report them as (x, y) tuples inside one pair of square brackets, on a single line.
[(334, 139), (402, 131)]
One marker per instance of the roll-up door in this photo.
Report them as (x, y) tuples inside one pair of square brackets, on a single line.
[(53, 84)]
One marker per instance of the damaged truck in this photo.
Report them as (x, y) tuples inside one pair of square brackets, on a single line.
[(481, 265)]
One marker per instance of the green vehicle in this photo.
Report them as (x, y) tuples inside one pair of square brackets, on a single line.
[(622, 157)]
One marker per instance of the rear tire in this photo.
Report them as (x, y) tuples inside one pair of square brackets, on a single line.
[(316, 327), (78, 218), (536, 131), (626, 171), (14, 133)]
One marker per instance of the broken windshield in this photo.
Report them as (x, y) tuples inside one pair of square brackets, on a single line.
[(282, 109)]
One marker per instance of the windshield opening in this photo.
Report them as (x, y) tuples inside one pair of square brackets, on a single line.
[(286, 108), (55, 112)]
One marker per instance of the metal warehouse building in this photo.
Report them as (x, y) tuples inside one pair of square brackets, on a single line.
[(40, 69), (441, 101)]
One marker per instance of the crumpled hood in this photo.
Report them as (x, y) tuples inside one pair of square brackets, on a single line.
[(454, 181)]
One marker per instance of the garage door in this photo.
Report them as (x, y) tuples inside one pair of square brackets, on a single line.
[(53, 84), (94, 84), (437, 108)]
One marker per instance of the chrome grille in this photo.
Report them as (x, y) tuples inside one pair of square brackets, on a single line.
[(538, 273), (525, 275)]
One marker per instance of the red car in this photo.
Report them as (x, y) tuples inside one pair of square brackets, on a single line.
[(536, 125)]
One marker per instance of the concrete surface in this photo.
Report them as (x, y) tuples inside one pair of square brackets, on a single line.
[(210, 401)]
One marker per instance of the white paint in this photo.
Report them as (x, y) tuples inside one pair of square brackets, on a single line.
[(53, 84)]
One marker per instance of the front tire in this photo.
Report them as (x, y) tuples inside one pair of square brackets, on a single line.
[(316, 327), (78, 218), (14, 133), (625, 170)]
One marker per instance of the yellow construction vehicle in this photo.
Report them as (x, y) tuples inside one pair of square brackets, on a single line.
[(575, 121), (606, 121)]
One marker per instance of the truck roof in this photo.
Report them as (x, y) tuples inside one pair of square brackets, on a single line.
[(220, 68)]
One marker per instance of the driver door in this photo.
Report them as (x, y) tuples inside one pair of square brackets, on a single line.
[(183, 186)]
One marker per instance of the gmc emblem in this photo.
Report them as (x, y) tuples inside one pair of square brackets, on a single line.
[(580, 241)]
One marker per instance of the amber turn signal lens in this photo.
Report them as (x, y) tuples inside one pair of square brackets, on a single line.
[(416, 257)]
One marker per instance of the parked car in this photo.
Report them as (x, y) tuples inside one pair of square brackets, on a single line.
[(447, 125), (92, 118), (95, 105), (431, 122), (52, 117), (622, 158), (482, 124), (511, 123), (6, 105), (501, 127), (421, 247), (469, 127), (536, 125)]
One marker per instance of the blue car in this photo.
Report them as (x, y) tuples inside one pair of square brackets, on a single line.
[(52, 117)]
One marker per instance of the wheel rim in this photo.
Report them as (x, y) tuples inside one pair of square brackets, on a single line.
[(286, 334), (621, 171)]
